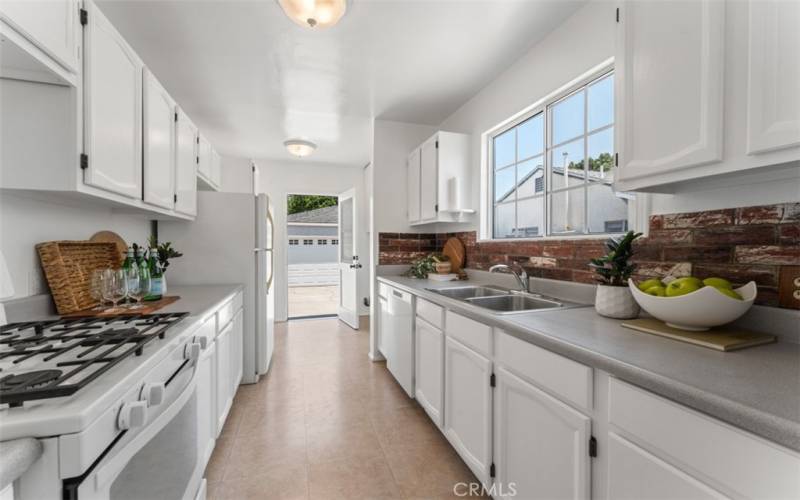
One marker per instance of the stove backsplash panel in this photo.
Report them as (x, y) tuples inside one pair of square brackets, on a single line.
[(759, 243)]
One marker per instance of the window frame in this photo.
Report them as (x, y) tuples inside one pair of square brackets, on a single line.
[(638, 208)]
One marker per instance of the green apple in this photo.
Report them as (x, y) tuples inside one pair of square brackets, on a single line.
[(682, 286), (729, 292), (718, 283), (647, 284), (657, 290)]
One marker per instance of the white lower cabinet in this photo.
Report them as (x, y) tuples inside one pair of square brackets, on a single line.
[(207, 424), (468, 406), (383, 326), (237, 354), (223, 365), (540, 443), (635, 474), (430, 370)]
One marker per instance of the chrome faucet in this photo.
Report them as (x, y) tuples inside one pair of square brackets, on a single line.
[(522, 277)]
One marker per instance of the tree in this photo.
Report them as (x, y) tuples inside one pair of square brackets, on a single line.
[(303, 202)]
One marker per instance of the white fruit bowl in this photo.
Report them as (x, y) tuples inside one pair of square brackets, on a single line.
[(699, 310)]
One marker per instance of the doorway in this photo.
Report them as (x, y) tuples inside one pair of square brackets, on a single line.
[(313, 245)]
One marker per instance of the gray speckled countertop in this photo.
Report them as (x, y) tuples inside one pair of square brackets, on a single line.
[(757, 389), (200, 299)]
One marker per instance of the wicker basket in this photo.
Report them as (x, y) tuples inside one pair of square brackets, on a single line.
[(68, 267)]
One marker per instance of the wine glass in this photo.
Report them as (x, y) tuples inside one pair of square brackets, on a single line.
[(142, 288), (132, 282), (115, 286), (96, 288)]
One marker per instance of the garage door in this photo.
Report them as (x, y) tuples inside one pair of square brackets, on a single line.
[(313, 274)]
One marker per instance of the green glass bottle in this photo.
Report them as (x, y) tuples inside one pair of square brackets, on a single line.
[(129, 260), (156, 275)]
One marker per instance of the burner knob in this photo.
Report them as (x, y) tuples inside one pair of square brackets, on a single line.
[(191, 351), (132, 415), (153, 393), (203, 342)]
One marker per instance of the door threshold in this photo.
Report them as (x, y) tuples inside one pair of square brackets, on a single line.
[(313, 316)]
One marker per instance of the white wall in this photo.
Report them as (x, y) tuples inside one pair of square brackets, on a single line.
[(278, 180), (26, 220)]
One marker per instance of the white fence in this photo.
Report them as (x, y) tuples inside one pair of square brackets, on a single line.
[(314, 274)]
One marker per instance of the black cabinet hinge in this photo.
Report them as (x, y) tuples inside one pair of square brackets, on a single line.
[(176, 116), (84, 161), (616, 159), (436, 207), (175, 198), (617, 14), (437, 144), (492, 381), (84, 17), (197, 160), (592, 447), (491, 470), (197, 139)]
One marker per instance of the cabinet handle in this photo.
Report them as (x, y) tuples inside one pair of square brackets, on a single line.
[(397, 294)]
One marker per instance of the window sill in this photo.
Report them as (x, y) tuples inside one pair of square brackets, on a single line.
[(601, 237)]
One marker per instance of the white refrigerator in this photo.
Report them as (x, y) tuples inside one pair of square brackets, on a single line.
[(231, 241)]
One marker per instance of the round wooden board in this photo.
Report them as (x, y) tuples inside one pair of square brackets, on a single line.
[(455, 251), (111, 237)]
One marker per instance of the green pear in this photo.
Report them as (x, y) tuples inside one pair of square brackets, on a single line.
[(718, 283), (657, 290), (682, 286), (647, 284)]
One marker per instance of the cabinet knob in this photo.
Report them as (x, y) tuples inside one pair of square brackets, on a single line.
[(132, 414), (192, 351), (153, 393)]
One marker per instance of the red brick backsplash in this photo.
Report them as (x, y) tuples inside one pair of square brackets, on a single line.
[(740, 244)]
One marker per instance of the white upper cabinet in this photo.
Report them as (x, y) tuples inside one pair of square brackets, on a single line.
[(540, 443), (216, 169), (773, 92), (38, 30), (159, 143), (113, 109), (438, 179), (185, 165), (208, 166), (413, 187), (669, 86)]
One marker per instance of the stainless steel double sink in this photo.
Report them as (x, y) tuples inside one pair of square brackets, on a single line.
[(502, 300)]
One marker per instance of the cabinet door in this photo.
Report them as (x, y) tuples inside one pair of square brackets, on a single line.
[(52, 25), (186, 166), (413, 185), (773, 100), (206, 409), (468, 406), (237, 354), (540, 443), (635, 474), (429, 158), (216, 168), (204, 157), (430, 369), (669, 86), (383, 327), (113, 109), (223, 366), (159, 143)]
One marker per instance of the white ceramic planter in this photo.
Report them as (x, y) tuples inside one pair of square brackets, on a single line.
[(615, 302)]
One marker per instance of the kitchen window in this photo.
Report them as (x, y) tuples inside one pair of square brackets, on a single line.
[(551, 171), (308, 242)]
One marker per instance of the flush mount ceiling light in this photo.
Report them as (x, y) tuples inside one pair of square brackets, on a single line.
[(299, 147), (314, 13)]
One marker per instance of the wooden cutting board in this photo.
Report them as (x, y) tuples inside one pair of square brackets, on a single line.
[(111, 237), (455, 251), (147, 308), (722, 338)]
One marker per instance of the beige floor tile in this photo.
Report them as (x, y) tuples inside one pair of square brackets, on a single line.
[(278, 483), (344, 441), (250, 456), (349, 479), (404, 426)]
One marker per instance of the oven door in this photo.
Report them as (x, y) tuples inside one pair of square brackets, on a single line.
[(158, 462)]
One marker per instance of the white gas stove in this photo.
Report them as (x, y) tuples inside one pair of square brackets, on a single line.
[(109, 398)]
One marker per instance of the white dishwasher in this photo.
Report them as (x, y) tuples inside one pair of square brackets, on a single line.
[(400, 338)]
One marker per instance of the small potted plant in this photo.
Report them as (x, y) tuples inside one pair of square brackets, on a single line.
[(160, 255), (422, 267), (614, 298)]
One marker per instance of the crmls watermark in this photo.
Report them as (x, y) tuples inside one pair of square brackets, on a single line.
[(496, 490)]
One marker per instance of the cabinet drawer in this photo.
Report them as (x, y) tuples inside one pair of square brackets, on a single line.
[(430, 312), (728, 459), (226, 313), (561, 376), (475, 335), (383, 290)]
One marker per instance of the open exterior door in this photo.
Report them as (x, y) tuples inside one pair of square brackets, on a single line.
[(348, 259)]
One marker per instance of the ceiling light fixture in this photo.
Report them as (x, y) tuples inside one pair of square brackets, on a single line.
[(314, 13), (300, 147)]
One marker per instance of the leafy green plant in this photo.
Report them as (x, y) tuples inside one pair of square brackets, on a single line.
[(615, 268), (164, 252), (422, 267)]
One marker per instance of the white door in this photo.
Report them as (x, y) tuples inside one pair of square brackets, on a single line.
[(185, 165), (468, 406), (113, 109), (635, 474), (429, 159), (159, 143), (51, 24), (348, 259), (430, 369), (773, 100), (413, 185), (540, 443), (669, 86)]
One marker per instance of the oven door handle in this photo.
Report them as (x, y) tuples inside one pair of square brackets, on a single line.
[(111, 469)]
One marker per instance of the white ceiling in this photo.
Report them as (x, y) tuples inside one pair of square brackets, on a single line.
[(250, 78)]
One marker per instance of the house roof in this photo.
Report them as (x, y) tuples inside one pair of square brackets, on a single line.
[(608, 179), (325, 215)]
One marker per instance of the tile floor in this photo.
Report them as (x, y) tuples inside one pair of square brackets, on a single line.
[(327, 423)]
